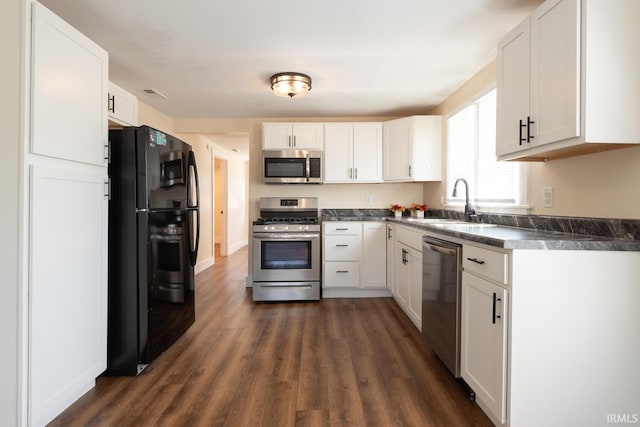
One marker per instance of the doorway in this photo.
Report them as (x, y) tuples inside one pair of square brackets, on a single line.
[(220, 207)]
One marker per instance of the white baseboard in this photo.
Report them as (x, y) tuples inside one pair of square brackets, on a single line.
[(203, 265), (355, 293), (236, 246)]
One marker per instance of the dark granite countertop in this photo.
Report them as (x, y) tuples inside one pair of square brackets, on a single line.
[(498, 235)]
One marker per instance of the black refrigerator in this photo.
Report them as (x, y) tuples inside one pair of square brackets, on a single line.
[(154, 226)]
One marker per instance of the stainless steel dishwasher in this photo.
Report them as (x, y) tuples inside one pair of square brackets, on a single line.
[(441, 278)]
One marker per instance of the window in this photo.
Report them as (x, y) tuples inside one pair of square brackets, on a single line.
[(471, 148)]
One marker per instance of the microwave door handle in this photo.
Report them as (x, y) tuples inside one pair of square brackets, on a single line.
[(308, 168)]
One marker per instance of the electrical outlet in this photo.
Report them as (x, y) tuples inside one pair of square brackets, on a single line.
[(369, 200), (547, 197)]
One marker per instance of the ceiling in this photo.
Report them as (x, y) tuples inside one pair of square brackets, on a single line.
[(213, 59)]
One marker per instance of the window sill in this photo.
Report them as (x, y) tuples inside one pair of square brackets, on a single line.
[(491, 208)]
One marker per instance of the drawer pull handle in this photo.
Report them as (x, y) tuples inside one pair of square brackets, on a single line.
[(476, 260), (342, 271), (341, 229), (342, 246), (494, 316)]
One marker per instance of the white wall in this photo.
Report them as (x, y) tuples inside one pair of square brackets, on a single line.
[(10, 122), (237, 217)]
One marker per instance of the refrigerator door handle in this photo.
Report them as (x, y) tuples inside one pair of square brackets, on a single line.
[(193, 254)]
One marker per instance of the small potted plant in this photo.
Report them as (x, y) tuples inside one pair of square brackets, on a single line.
[(417, 211), (397, 210)]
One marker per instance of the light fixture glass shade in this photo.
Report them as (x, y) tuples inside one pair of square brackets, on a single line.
[(290, 84)]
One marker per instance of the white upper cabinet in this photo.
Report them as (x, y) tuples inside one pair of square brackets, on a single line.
[(367, 152), (122, 106), (555, 72), (565, 79), (513, 93), (292, 136), (353, 152), (69, 92), (412, 149)]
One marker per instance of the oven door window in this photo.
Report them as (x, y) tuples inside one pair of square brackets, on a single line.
[(286, 255), (285, 167)]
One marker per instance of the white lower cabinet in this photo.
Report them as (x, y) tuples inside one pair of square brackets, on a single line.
[(390, 243), (374, 271), (68, 286), (407, 272), (354, 259), (566, 318), (484, 334), (484, 342)]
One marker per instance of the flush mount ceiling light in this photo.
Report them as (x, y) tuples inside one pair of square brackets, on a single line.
[(290, 84)]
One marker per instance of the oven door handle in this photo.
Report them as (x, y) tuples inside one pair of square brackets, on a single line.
[(286, 236)]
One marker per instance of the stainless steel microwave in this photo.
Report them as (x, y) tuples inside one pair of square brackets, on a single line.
[(292, 167)]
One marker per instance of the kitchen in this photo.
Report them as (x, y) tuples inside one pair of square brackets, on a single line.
[(600, 185)]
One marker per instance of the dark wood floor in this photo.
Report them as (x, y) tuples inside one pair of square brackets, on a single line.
[(336, 362)]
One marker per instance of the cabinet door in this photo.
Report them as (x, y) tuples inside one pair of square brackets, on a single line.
[(122, 106), (555, 71), (367, 152), (338, 150), (401, 276), (484, 342), (513, 90), (69, 92), (276, 136), (396, 152), (308, 135), (68, 287), (373, 266), (390, 258), (415, 286)]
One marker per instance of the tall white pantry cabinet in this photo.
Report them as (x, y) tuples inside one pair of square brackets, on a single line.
[(65, 215)]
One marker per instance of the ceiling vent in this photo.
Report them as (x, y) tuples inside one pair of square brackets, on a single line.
[(152, 93)]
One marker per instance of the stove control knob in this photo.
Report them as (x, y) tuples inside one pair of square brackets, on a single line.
[(306, 227), (286, 227)]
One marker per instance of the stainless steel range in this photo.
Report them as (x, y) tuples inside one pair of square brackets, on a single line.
[(286, 250)]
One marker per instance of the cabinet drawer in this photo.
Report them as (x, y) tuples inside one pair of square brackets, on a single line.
[(342, 228), (342, 248), (409, 237), (487, 263), (341, 274)]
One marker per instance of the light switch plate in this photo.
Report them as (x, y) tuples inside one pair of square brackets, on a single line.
[(547, 197)]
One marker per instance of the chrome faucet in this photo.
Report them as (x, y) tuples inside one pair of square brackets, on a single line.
[(468, 210)]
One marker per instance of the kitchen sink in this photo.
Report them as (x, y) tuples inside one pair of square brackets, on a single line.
[(434, 221), (464, 226)]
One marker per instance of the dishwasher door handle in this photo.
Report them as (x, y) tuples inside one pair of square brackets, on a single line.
[(439, 249)]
